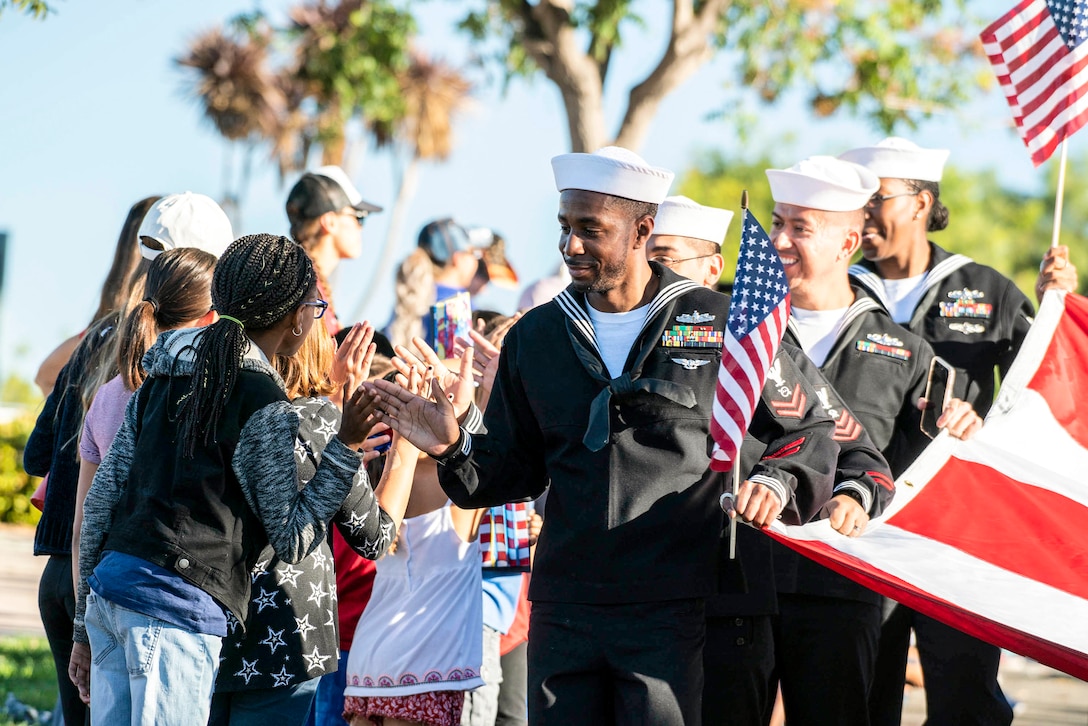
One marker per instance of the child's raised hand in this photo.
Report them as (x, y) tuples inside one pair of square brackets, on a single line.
[(359, 416)]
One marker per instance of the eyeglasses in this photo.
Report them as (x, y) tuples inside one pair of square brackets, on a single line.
[(360, 217), (878, 199), (321, 306), (669, 262)]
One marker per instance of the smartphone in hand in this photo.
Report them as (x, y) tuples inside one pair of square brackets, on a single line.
[(942, 378)]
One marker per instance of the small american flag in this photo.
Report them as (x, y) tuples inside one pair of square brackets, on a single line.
[(758, 312), (1041, 60)]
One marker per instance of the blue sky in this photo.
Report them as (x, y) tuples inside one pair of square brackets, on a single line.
[(93, 117)]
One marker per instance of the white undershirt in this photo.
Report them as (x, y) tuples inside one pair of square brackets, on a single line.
[(616, 333), (903, 296), (816, 331)]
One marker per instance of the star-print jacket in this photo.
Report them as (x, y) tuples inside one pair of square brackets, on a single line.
[(291, 633), (973, 316), (207, 518), (633, 512)]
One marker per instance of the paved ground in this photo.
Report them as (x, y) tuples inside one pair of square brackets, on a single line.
[(1044, 697)]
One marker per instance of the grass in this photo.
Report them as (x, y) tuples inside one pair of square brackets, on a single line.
[(26, 669)]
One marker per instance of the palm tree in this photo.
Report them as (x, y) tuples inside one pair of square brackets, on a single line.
[(433, 94), (238, 93)]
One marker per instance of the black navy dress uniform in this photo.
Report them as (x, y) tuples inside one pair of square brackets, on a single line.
[(976, 319), (828, 626), (629, 548), (739, 657)]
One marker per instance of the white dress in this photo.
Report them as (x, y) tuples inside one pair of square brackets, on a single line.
[(420, 632)]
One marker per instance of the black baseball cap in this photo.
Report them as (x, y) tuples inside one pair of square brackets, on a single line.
[(327, 189)]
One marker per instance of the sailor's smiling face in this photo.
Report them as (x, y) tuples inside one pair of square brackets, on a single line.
[(599, 240), (815, 246)]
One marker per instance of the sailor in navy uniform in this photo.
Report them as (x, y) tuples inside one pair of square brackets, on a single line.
[(976, 319), (604, 395), (739, 656)]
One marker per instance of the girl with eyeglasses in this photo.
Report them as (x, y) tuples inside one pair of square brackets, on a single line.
[(201, 475)]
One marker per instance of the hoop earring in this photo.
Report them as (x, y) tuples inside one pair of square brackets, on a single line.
[(296, 331)]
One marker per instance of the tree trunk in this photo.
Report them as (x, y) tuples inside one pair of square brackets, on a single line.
[(406, 191)]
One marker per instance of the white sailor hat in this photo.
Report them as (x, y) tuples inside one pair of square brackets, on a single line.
[(824, 182), (896, 158), (614, 171), (682, 217)]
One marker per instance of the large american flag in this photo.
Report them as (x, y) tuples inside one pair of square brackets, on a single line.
[(990, 535), (1041, 60), (758, 311)]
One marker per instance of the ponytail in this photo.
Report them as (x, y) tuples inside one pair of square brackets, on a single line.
[(177, 291)]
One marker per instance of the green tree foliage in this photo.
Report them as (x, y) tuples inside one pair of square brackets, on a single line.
[(300, 85), (37, 9), (891, 62), (1006, 229), (16, 485)]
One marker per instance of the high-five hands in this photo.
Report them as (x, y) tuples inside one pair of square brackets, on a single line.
[(458, 384), (355, 355), (428, 423)]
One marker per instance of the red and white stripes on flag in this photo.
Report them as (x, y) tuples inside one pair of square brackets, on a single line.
[(1038, 52), (758, 309), (990, 535)]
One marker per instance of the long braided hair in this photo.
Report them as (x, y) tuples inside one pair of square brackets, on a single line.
[(259, 281)]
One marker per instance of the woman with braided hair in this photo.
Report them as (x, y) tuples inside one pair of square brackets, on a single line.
[(201, 476)]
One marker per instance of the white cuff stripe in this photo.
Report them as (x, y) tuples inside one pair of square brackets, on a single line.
[(774, 485), (862, 491), (474, 419)]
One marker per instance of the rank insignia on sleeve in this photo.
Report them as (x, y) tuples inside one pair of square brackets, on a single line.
[(847, 427), (690, 364), (967, 328), (890, 351), (961, 309), (694, 318), (885, 339), (794, 406), (693, 336)]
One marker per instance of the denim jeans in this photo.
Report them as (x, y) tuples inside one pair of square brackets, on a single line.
[(146, 671)]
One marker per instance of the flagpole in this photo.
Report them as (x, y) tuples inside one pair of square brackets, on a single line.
[(1059, 196), (736, 459)]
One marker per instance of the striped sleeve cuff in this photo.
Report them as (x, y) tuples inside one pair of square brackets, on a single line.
[(852, 487), (774, 485), (474, 420), (462, 450)]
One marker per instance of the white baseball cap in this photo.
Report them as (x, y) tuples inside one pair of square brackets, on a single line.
[(824, 182), (615, 171), (185, 220)]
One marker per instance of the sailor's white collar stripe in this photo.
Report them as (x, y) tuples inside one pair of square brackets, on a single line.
[(874, 283), (580, 316), (665, 296), (871, 282), (859, 307)]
